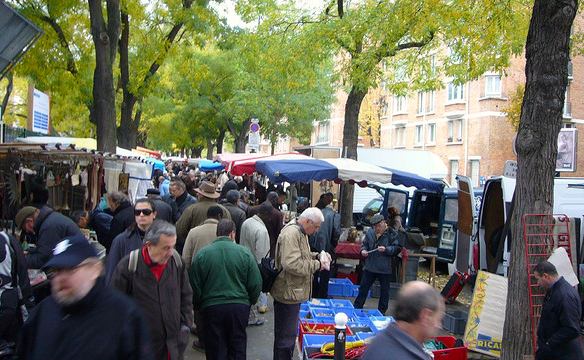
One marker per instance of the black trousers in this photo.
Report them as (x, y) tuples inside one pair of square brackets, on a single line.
[(285, 322), (224, 332), (367, 279), (320, 282)]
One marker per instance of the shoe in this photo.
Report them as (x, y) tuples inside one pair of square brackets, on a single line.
[(198, 346), (258, 322), (262, 309)]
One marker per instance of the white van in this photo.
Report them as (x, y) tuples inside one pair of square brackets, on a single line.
[(496, 203)]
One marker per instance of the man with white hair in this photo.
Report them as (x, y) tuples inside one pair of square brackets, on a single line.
[(293, 284)]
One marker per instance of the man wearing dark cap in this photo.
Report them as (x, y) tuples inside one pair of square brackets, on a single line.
[(49, 227), (196, 214), (83, 319), (163, 210), (379, 250), (24, 221)]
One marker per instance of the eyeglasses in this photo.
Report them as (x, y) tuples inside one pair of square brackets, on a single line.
[(52, 273), (146, 212)]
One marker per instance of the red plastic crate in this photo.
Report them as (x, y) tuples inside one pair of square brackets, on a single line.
[(317, 329), (451, 353)]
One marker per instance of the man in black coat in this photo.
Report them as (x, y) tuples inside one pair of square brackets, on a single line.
[(237, 214), (163, 210), (50, 227), (83, 319), (558, 332), (123, 212)]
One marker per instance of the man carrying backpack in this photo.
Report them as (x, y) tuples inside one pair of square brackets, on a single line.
[(158, 281)]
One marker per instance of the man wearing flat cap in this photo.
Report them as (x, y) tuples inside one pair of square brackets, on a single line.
[(49, 227), (82, 319), (196, 214), (379, 249)]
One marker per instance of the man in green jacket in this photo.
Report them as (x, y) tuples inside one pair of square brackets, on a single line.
[(226, 281)]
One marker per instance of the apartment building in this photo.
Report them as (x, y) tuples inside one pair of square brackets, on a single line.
[(463, 124)]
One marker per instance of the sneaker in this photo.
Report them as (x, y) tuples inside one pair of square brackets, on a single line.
[(262, 309), (257, 322)]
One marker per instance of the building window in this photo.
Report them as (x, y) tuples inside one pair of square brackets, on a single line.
[(455, 92), (431, 95), (400, 136), (453, 171), (493, 85), (322, 135), (567, 103), (419, 134), (432, 133), (455, 130), (474, 172), (399, 104), (420, 102)]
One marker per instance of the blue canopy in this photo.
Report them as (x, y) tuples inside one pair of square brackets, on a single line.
[(408, 179), (208, 165), (158, 164), (296, 170)]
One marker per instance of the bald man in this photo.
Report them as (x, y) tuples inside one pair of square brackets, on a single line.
[(418, 312)]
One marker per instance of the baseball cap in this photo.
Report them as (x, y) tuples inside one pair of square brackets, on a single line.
[(70, 252), (376, 219)]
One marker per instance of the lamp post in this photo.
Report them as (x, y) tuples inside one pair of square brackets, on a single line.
[(340, 335)]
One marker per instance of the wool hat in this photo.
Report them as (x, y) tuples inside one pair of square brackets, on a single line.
[(24, 213), (207, 189), (152, 191)]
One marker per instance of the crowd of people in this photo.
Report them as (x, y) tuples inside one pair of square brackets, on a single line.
[(184, 258)]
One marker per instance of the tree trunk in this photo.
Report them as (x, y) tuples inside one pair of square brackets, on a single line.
[(127, 131), (239, 136), (547, 55), (196, 152), (105, 38), (209, 149), (350, 140), (220, 140), (9, 87)]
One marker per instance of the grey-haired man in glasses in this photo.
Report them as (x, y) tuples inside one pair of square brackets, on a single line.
[(132, 238)]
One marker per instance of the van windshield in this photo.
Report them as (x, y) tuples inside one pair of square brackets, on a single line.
[(451, 210)]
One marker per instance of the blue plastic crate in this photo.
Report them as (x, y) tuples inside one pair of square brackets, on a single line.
[(364, 335), (363, 325), (355, 290), (340, 287), (312, 343), (324, 314), (340, 303), (381, 322), (367, 313), (304, 314), (314, 303)]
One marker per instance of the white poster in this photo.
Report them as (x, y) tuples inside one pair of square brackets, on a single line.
[(567, 149), (40, 112), (484, 327)]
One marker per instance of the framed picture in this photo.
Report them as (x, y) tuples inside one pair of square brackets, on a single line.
[(567, 150)]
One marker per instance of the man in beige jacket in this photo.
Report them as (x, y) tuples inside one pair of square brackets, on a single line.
[(293, 284), (202, 235)]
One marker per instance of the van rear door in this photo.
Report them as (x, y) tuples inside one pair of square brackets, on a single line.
[(466, 216)]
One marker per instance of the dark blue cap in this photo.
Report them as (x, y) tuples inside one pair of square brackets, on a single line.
[(70, 252)]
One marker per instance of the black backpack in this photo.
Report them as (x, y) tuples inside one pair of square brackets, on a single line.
[(268, 272)]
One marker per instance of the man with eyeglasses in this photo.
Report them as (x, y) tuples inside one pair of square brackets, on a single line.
[(82, 319), (132, 238)]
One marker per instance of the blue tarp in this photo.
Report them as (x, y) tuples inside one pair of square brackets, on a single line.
[(410, 179), (297, 170), (158, 164), (208, 165)]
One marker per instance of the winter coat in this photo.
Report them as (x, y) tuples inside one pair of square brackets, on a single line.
[(327, 237), (180, 204), (103, 325), (380, 262), (273, 221), (123, 217), (558, 332), (51, 227), (238, 216), (166, 304), (224, 273), (123, 244), (255, 237), (298, 264), (101, 223), (194, 216), (198, 238), (396, 342)]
